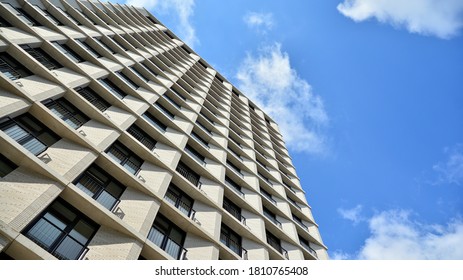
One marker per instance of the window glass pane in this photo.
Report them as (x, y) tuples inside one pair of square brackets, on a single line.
[(69, 249), (82, 232), (44, 233)]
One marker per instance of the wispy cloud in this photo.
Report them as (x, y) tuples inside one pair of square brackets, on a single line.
[(183, 9), (450, 171), (259, 21), (395, 235), (352, 214), (441, 18), (269, 80)]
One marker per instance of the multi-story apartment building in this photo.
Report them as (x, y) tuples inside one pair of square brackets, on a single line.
[(117, 141)]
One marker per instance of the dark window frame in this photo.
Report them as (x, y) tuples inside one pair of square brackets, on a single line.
[(128, 159), (67, 112), (6, 166)]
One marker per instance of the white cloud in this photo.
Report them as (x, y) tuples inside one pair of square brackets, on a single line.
[(394, 235), (260, 21), (353, 214), (451, 170), (183, 9), (441, 18), (269, 80)]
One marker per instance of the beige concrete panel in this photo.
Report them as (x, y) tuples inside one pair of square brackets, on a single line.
[(254, 223), (294, 253), (40, 88), (108, 244), (216, 169), (135, 56), (110, 64), (288, 227), (22, 248), (89, 32), (71, 32), (183, 124), (167, 155), (138, 210), (255, 250), (123, 60), (177, 138), (48, 34), (10, 103), (70, 78), (314, 232), (157, 179), (166, 82), (18, 36), (148, 95), (253, 198), (200, 249), (322, 254), (103, 30), (24, 194), (208, 217), (308, 213), (120, 117), (99, 134), (135, 104), (212, 190), (159, 89), (67, 158), (92, 70)]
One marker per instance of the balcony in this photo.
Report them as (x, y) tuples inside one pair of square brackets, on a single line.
[(265, 179), (268, 196), (234, 186), (234, 246), (273, 219), (180, 204), (234, 211), (308, 248), (235, 169), (200, 140), (189, 174), (167, 244), (280, 249)]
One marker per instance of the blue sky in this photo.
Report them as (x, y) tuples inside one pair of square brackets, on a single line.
[(369, 97)]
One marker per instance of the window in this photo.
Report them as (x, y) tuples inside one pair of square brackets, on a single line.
[(271, 216), (94, 99), (86, 46), (267, 195), (139, 74), (201, 140), (204, 127), (63, 231), (115, 90), (6, 166), (234, 185), (168, 98), (273, 241), (23, 15), (67, 112), (234, 168), (164, 110), (42, 57), (69, 52), (29, 133), (306, 244), (190, 150), (125, 157), (177, 93), (4, 22), (154, 121), (233, 209), (299, 221), (12, 68), (131, 83), (180, 200), (142, 137), (49, 16), (100, 186), (188, 173), (149, 69), (168, 237), (231, 239)]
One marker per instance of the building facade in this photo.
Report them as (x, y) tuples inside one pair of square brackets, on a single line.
[(117, 141)]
